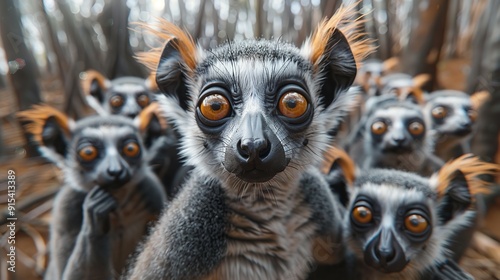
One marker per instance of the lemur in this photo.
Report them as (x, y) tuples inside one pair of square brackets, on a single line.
[(109, 194), (399, 225), (393, 134), (451, 115), (404, 86), (128, 96), (371, 73), (254, 117)]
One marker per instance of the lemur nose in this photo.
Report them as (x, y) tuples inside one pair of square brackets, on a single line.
[(251, 148), (385, 255), (399, 139), (115, 171)]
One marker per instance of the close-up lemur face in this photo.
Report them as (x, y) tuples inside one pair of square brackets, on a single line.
[(258, 110), (126, 96), (396, 129), (450, 113), (399, 222), (391, 225), (256, 106), (105, 152)]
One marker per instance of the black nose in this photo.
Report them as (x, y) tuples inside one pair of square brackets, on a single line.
[(466, 125), (399, 140), (251, 148), (115, 171), (385, 255), (132, 116)]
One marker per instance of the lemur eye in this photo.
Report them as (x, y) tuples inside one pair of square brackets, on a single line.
[(116, 101), (379, 128), (143, 100), (416, 128), (472, 114), (362, 214), (292, 105), (131, 149), (416, 223), (215, 107), (439, 112), (88, 153)]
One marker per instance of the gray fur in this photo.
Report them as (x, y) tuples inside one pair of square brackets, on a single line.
[(263, 229), (390, 190), (95, 229), (377, 151), (446, 133)]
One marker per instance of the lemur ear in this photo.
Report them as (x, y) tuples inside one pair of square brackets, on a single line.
[(459, 180), (336, 65), (171, 75), (150, 83), (390, 64), (151, 124), (420, 80), (94, 86), (478, 98), (334, 50), (456, 198), (340, 172), (51, 130), (173, 64)]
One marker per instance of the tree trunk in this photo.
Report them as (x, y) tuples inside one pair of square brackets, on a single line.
[(23, 76), (426, 40)]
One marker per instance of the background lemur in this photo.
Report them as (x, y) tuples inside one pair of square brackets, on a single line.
[(254, 117), (128, 96), (404, 86), (393, 134), (109, 193), (402, 226), (451, 115)]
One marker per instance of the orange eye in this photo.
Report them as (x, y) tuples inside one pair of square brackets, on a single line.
[(131, 149), (379, 128), (292, 105), (439, 112), (116, 101), (88, 153), (362, 214), (472, 114), (416, 223), (215, 107), (143, 100), (416, 128)]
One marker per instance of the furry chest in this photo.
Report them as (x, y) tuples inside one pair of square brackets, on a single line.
[(268, 242)]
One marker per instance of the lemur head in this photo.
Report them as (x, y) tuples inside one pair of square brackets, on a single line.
[(105, 151), (126, 96), (393, 127), (258, 111), (370, 74), (404, 86), (451, 113), (400, 223)]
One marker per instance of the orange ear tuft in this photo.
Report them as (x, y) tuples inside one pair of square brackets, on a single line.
[(147, 114), (421, 79), (479, 98), (91, 75), (350, 26), (391, 63), (151, 82), (348, 166), (165, 32), (472, 167), (37, 117)]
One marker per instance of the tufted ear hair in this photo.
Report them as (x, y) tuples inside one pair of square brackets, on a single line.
[(479, 98), (94, 86), (455, 199), (336, 50), (51, 130), (151, 123), (173, 64)]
